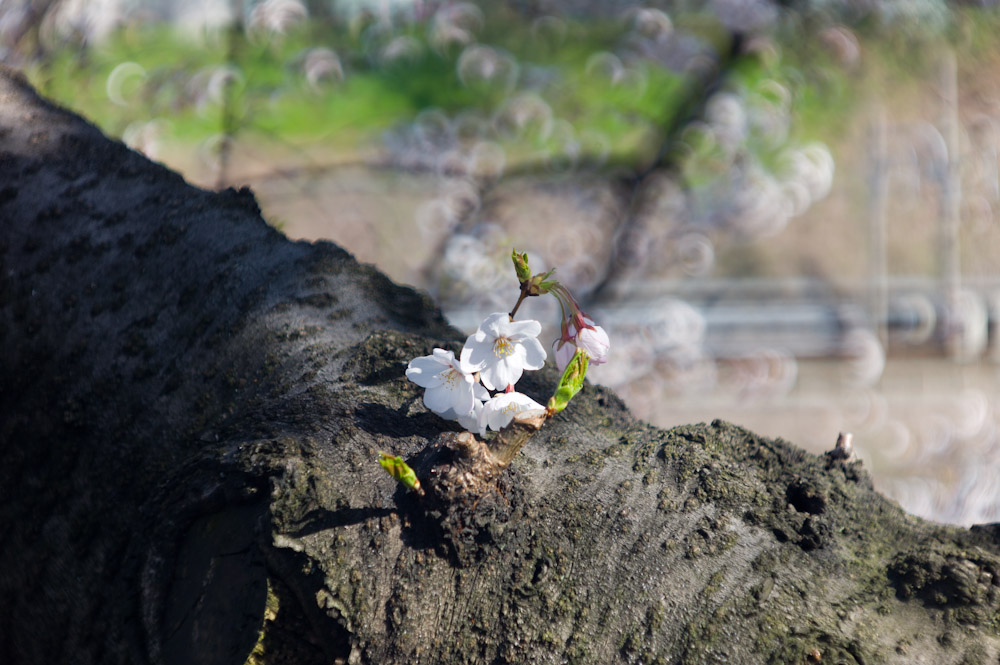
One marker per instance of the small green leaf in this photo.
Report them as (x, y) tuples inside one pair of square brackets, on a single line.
[(541, 284), (570, 383), (400, 470)]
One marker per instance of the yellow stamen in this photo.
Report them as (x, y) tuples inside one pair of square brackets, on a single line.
[(451, 378), (502, 347)]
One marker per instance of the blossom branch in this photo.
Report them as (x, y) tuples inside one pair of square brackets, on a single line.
[(493, 360)]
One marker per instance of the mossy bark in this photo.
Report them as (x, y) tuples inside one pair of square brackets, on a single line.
[(192, 407)]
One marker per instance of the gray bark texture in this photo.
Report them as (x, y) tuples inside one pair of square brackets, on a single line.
[(191, 407)]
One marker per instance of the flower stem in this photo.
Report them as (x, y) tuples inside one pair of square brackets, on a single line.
[(517, 305)]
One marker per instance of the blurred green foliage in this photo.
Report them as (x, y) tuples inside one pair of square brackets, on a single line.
[(268, 93), (271, 94)]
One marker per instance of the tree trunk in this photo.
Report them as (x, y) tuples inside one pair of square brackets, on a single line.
[(192, 407)]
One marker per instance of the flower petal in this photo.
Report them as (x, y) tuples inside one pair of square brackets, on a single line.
[(438, 399), (495, 324), (564, 352), (595, 342), (521, 330), (473, 421), (465, 360), (534, 353), (478, 351), (479, 392), (463, 401), (502, 374), (523, 402), (443, 356), (499, 411), (424, 370)]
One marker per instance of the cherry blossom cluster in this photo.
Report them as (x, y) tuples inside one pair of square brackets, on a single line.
[(477, 388)]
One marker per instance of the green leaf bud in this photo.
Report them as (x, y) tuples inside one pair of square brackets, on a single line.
[(521, 266), (400, 470), (570, 383)]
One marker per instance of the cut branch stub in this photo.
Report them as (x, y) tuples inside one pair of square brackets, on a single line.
[(509, 441), (468, 496)]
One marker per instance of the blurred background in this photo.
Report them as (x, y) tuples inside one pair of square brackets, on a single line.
[(784, 213)]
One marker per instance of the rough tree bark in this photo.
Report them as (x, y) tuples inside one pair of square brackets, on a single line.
[(191, 409)]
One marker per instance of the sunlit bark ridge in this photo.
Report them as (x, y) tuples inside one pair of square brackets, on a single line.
[(192, 409)]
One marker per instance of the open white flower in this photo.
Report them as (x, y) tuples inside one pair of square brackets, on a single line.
[(450, 387), (499, 411), (501, 349)]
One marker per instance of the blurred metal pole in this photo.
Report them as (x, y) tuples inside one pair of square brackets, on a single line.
[(878, 268), (234, 38), (951, 205)]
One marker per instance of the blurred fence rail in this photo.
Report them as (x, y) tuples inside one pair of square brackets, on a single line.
[(810, 317)]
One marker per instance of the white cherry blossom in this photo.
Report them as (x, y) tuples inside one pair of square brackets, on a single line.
[(501, 349), (450, 386), (499, 411)]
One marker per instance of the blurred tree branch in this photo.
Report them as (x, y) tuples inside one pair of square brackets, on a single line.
[(667, 161)]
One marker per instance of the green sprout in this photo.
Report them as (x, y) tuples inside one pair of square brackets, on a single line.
[(400, 470), (570, 383)]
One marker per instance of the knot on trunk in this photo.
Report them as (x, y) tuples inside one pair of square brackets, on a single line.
[(467, 495), (958, 579)]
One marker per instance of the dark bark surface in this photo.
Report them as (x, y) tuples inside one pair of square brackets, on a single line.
[(190, 411)]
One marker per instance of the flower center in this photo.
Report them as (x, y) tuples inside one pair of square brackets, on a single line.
[(451, 378), (502, 347)]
